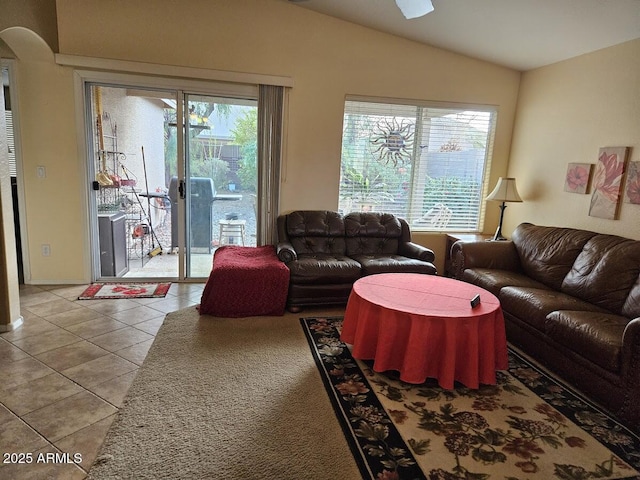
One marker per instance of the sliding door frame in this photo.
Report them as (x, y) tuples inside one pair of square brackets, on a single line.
[(181, 87)]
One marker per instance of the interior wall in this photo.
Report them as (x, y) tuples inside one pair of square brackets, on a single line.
[(39, 16), (326, 58), (56, 205), (566, 113), (5, 51)]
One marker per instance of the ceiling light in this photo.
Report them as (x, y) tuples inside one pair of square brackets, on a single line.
[(414, 8)]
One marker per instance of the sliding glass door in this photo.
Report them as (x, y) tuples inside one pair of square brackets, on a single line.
[(221, 163), (149, 221)]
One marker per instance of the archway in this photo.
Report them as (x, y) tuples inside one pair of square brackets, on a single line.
[(28, 46)]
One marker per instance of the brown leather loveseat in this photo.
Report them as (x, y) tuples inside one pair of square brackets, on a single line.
[(571, 299), (326, 252)]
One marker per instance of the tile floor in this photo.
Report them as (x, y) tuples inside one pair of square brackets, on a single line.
[(65, 372)]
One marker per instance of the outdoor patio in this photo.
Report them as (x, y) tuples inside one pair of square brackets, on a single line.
[(166, 264)]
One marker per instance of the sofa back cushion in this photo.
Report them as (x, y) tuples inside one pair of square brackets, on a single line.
[(316, 231), (548, 253), (605, 272), (372, 233), (631, 307)]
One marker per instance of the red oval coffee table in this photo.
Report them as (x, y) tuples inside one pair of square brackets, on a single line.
[(423, 326)]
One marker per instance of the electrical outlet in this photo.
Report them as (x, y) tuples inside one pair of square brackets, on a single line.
[(46, 250), (41, 171)]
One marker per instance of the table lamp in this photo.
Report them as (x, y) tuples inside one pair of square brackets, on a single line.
[(505, 191)]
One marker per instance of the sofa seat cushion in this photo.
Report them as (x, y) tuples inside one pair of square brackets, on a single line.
[(593, 335), (323, 268), (493, 279), (532, 305), (372, 264)]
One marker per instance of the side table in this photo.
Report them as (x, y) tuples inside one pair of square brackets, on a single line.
[(452, 238)]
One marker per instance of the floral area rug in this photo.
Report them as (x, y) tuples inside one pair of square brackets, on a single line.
[(527, 426), (102, 291)]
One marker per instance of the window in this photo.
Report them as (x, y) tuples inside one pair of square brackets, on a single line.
[(425, 163), (9, 120)]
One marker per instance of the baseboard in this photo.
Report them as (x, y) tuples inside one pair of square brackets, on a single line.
[(14, 325)]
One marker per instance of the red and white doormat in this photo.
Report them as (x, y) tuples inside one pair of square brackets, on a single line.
[(102, 291)]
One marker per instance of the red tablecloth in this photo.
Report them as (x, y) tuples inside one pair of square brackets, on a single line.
[(424, 327)]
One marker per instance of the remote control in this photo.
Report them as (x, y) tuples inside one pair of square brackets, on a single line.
[(475, 301)]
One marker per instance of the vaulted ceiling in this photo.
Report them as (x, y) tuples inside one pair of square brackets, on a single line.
[(520, 34)]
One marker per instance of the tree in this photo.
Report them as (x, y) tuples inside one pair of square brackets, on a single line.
[(245, 134)]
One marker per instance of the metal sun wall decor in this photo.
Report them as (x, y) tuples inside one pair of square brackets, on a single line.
[(607, 182), (392, 141)]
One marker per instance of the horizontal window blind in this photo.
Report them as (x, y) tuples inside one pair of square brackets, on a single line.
[(427, 164), (11, 143)]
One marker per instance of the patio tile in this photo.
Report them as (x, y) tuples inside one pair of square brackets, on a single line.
[(149, 301), (33, 325), (38, 393), (57, 305), (78, 315), (99, 370), (22, 371), (26, 290), (69, 415), (70, 292), (178, 289), (17, 436), (137, 315), (71, 355), (114, 390), (36, 297), (136, 353), (119, 339), (86, 441), (109, 307), (168, 305), (44, 342), (96, 327), (10, 353), (151, 326)]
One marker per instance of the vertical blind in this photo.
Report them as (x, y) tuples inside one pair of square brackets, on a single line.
[(427, 164), (270, 127)]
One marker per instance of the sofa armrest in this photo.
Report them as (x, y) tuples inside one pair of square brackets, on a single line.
[(500, 255), (284, 249), (630, 371), (413, 250), (631, 349), (285, 252)]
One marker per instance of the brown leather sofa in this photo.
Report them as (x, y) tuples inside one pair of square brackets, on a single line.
[(326, 252), (571, 299)]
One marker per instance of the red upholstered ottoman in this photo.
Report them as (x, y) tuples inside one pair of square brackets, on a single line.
[(245, 281)]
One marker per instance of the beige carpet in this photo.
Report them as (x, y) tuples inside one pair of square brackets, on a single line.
[(221, 398)]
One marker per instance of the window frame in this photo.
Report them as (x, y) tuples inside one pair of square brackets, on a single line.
[(456, 107)]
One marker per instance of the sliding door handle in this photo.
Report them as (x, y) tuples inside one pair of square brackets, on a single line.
[(181, 189)]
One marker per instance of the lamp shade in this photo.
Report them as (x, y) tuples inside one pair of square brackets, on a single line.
[(505, 191)]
